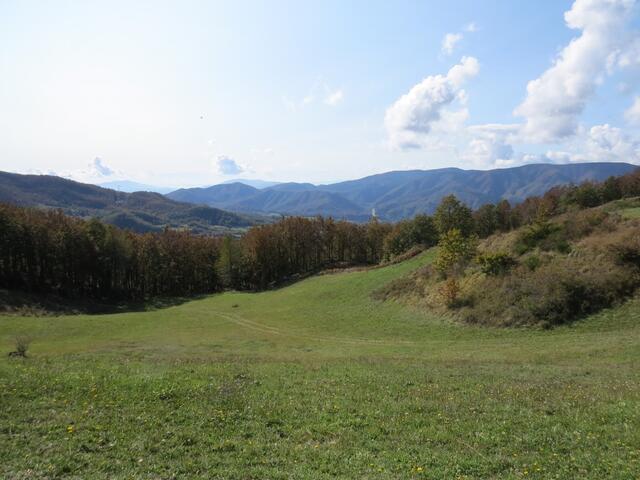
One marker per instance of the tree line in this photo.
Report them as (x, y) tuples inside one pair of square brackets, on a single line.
[(47, 251)]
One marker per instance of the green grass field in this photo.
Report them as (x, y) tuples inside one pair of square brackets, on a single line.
[(317, 380)]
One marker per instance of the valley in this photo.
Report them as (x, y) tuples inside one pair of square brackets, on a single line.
[(317, 380)]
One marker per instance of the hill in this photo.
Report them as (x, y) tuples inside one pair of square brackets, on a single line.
[(318, 380), (550, 271), (401, 194), (138, 211)]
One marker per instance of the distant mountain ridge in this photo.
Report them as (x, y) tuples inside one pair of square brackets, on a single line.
[(138, 211), (399, 194), (255, 183), (131, 186)]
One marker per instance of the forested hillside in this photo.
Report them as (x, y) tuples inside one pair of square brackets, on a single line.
[(402, 194), (139, 211)]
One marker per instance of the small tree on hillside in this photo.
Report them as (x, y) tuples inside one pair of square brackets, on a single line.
[(455, 251), (453, 214)]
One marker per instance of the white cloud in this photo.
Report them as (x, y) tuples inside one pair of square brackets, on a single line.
[(410, 119), (490, 145), (556, 99), (632, 114), (99, 168), (227, 165), (449, 42), (610, 144), (334, 98), (601, 143), (460, 73), (96, 170), (451, 39), (471, 27)]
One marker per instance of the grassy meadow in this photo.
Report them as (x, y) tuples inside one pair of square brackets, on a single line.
[(318, 380)]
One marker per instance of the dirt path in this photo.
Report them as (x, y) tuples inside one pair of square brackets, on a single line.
[(261, 328)]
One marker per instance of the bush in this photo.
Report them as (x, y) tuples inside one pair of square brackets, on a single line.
[(554, 293), (532, 262), (627, 250), (543, 235), (22, 343), (583, 223), (449, 291), (496, 263)]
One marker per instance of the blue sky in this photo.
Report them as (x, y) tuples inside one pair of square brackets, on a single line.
[(192, 93)]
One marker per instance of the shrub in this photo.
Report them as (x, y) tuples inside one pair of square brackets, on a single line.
[(626, 250), (496, 263), (554, 293), (449, 291), (544, 235), (532, 262), (584, 222), (22, 343)]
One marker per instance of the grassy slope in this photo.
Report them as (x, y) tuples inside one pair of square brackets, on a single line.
[(316, 380)]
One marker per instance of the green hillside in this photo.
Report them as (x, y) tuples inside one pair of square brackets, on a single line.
[(318, 380)]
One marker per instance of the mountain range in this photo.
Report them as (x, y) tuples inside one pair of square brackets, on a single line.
[(398, 194), (138, 211), (393, 196)]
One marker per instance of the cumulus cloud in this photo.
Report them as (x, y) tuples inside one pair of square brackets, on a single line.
[(632, 114), (99, 168), (449, 42), (94, 171), (411, 118), (490, 145), (227, 165), (555, 100), (600, 143), (334, 98), (610, 144)]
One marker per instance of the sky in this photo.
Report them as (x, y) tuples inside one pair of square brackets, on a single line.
[(185, 93)]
